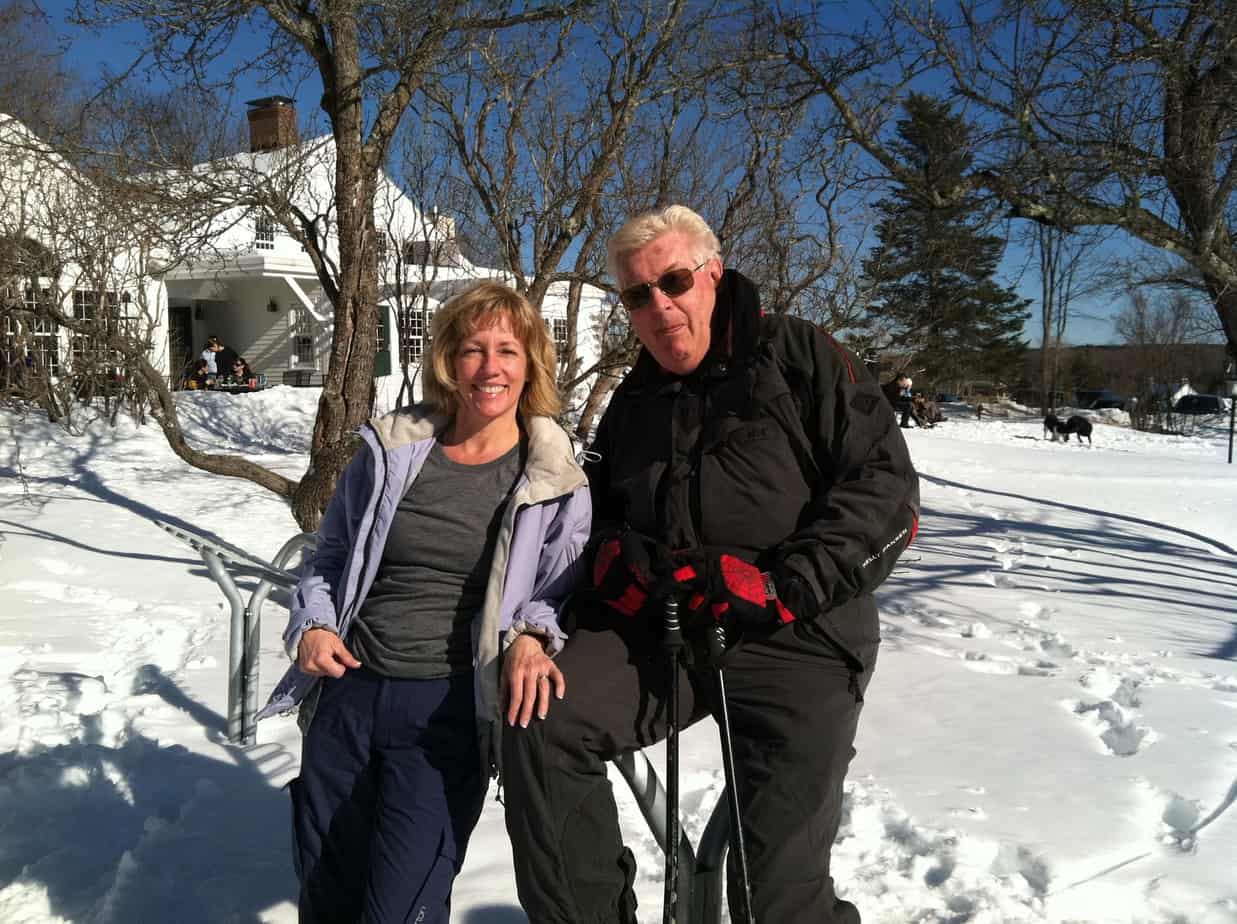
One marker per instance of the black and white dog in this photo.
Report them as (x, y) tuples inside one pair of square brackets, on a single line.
[(1076, 424), (1053, 425)]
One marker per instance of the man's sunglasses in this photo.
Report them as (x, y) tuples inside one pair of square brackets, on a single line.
[(672, 284)]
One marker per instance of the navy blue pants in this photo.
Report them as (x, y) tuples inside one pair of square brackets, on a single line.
[(389, 792)]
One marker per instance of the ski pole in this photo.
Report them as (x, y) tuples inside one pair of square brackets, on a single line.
[(717, 647), (673, 643)]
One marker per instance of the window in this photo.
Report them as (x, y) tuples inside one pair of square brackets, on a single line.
[(126, 317), (100, 310), (380, 249), (413, 340), (417, 253), (303, 332), (107, 316), (303, 347), (32, 336), (264, 232), (558, 330)]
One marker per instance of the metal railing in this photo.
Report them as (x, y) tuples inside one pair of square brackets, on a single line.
[(244, 639), (702, 872)]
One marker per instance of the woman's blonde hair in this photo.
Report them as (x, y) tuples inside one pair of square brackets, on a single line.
[(649, 226), (480, 306)]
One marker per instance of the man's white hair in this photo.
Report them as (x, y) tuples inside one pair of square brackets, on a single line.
[(649, 226)]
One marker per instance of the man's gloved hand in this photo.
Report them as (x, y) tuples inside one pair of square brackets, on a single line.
[(720, 587), (625, 565)]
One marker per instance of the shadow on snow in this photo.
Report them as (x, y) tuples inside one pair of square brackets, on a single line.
[(140, 831), (1114, 556)]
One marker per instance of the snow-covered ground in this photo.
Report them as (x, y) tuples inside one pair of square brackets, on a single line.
[(1051, 733)]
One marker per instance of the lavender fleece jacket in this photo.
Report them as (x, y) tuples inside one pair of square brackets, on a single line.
[(536, 560)]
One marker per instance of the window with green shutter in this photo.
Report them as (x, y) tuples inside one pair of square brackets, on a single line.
[(382, 362)]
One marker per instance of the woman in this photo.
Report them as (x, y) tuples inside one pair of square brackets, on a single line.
[(455, 533), (212, 347), (240, 373)]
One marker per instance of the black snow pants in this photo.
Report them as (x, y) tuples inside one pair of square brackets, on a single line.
[(794, 707)]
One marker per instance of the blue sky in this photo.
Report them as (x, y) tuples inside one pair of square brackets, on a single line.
[(93, 53)]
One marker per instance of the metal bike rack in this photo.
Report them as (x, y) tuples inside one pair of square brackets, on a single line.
[(246, 623), (702, 872)]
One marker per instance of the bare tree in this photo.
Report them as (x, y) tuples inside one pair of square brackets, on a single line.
[(78, 302), (540, 139), (36, 87), (1096, 114), (371, 62), (1065, 274), (1156, 330)]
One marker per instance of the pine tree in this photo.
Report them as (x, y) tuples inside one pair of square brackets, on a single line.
[(933, 269)]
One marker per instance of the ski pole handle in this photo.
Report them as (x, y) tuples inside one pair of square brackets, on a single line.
[(717, 643), (672, 639)]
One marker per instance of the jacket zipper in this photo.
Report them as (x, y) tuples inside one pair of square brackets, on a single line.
[(379, 485), (695, 489)]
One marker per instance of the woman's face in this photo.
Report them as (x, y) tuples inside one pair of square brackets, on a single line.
[(491, 368)]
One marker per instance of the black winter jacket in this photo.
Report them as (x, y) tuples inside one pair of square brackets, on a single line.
[(779, 447)]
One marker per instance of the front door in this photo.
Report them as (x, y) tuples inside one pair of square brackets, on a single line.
[(180, 339)]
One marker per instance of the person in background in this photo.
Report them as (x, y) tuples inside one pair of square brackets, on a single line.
[(749, 467), (199, 376), (240, 373), (923, 411), (224, 358), (898, 392), (210, 354), (450, 544)]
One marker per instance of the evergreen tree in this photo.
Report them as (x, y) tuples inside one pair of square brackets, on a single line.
[(932, 270)]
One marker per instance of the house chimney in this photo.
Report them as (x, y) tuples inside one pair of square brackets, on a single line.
[(272, 123)]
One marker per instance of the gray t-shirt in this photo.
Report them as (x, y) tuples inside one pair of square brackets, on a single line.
[(416, 621)]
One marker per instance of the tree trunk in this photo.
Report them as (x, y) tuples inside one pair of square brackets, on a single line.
[(602, 386), (1225, 300), (347, 389)]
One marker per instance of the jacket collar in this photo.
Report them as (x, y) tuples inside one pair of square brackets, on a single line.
[(551, 467)]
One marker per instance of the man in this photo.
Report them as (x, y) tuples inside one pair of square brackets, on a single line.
[(748, 465), (899, 394), (225, 358)]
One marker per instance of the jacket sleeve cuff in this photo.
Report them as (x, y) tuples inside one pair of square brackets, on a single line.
[(800, 566), (552, 638), (292, 641)]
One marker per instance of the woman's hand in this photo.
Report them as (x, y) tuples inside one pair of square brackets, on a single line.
[(322, 653), (528, 673)]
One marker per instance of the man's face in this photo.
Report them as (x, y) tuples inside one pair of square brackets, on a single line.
[(675, 330)]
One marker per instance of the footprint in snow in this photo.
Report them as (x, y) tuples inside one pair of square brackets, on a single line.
[(1180, 819), (1118, 731), (931, 620), (1030, 612), (982, 663)]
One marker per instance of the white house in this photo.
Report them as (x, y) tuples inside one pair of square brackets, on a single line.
[(243, 279), (60, 247)]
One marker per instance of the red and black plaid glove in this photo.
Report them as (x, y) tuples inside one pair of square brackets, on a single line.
[(626, 563), (736, 593)]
